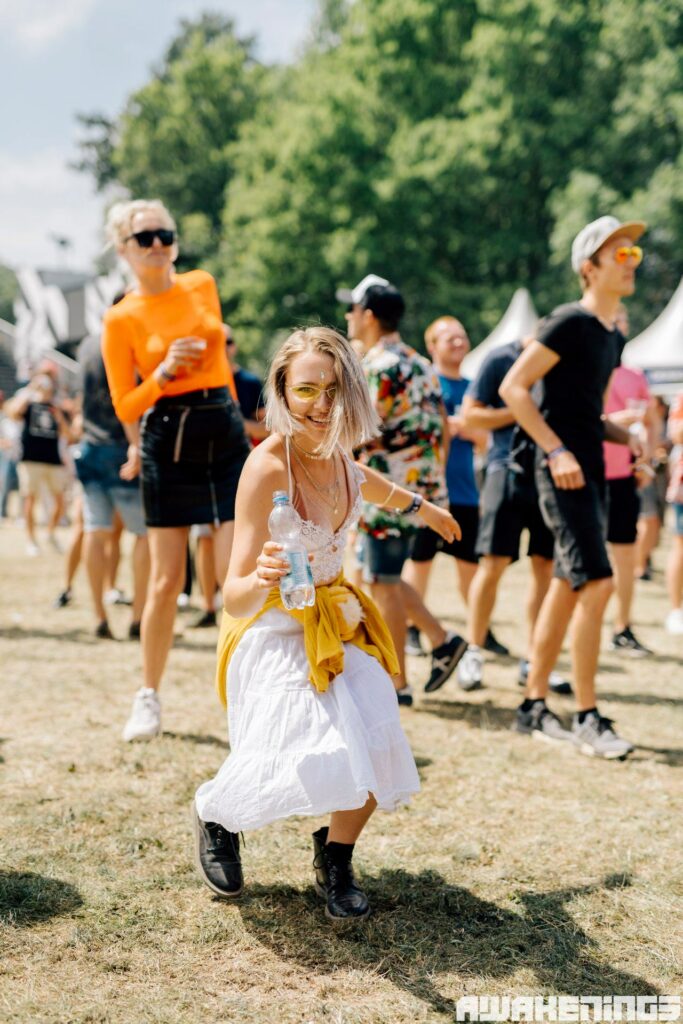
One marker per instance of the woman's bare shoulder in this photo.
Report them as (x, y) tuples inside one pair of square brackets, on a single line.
[(266, 466)]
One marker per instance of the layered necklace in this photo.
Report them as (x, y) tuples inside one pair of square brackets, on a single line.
[(329, 497)]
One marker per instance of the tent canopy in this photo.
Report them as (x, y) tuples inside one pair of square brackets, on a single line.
[(658, 351), (519, 320)]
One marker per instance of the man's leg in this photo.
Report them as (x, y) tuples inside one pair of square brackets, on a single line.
[(482, 596), (95, 546), (205, 567), (466, 572), (585, 639), (541, 576), (29, 518), (548, 635), (623, 562), (648, 538), (416, 575)]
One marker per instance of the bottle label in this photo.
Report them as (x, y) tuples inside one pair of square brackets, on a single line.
[(300, 570)]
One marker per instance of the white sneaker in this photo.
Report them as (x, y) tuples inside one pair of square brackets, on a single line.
[(674, 622), (145, 718), (183, 600), (471, 668), (32, 550), (53, 541)]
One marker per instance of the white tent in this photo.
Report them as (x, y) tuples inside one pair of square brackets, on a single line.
[(659, 349), (518, 322)]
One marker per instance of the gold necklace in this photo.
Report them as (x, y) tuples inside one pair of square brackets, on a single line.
[(334, 504), (309, 455)]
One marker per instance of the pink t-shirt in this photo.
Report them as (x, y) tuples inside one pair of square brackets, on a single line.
[(626, 383)]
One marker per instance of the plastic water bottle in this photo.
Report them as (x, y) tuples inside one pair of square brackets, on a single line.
[(296, 588)]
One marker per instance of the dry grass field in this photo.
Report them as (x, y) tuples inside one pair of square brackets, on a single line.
[(519, 869)]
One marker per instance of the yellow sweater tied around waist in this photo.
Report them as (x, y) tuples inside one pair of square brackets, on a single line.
[(342, 613)]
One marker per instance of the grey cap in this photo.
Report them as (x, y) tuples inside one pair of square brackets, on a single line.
[(594, 235)]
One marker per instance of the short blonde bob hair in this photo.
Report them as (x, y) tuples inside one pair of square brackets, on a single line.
[(120, 218), (353, 419)]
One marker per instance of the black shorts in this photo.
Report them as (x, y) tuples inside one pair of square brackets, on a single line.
[(578, 521), (623, 509), (193, 448), (504, 517), (426, 543)]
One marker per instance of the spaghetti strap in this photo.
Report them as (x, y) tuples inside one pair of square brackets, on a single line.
[(289, 470)]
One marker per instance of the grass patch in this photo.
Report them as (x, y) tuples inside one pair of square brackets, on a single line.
[(517, 870)]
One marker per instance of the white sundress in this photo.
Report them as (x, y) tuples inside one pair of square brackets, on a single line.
[(295, 751)]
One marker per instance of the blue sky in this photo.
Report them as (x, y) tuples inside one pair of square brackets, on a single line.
[(59, 57)]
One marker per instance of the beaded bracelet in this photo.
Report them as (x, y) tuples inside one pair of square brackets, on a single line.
[(556, 451)]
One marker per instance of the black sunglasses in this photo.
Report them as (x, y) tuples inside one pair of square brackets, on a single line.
[(145, 239)]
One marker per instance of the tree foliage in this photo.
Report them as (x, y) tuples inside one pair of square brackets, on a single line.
[(455, 148)]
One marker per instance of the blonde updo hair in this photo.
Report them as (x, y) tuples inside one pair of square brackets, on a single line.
[(353, 419), (120, 218)]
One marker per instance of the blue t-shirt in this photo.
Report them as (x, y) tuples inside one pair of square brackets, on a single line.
[(249, 392), (462, 487), (484, 389)]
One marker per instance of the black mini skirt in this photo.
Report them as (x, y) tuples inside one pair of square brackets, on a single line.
[(193, 447)]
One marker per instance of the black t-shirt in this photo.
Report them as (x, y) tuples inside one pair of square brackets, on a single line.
[(484, 389), (249, 392), (40, 435), (100, 423), (573, 391)]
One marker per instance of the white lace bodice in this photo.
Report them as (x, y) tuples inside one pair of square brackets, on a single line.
[(326, 546)]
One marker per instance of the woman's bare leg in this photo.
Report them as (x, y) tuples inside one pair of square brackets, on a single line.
[(346, 826), (167, 546)]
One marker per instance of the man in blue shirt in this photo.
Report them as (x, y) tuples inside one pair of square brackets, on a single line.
[(507, 509), (448, 344)]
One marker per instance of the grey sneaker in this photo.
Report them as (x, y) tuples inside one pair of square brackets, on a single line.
[(413, 643), (595, 737), (540, 723)]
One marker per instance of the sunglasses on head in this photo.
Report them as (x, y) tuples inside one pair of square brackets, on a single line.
[(311, 392), (145, 239), (626, 252)]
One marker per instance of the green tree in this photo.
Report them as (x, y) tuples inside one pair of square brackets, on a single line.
[(8, 293)]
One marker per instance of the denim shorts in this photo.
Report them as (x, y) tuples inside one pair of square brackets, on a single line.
[(104, 492), (100, 503), (383, 559)]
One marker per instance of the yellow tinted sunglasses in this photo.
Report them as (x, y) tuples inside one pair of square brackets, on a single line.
[(626, 252), (311, 392)]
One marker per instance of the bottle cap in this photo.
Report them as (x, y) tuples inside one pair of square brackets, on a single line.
[(280, 498)]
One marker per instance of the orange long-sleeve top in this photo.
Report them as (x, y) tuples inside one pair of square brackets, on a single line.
[(138, 331)]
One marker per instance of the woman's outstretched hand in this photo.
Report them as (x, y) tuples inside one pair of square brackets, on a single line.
[(440, 520)]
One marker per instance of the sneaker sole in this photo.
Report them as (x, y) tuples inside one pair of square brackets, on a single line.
[(198, 864), (141, 737), (588, 751), (536, 734), (448, 671), (629, 652)]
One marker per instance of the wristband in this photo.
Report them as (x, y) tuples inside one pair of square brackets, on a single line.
[(163, 372), (555, 452), (415, 505)]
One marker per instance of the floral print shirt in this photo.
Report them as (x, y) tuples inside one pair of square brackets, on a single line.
[(405, 390)]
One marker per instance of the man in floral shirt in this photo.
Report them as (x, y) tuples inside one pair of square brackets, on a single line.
[(411, 453)]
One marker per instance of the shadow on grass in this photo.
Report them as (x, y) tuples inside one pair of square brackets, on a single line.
[(662, 755), (646, 699), (27, 899), (34, 633), (484, 715), (199, 740), (423, 927)]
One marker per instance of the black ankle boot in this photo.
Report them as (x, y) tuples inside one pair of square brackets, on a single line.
[(334, 879), (217, 855)]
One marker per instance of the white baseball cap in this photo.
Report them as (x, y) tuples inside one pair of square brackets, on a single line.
[(595, 234), (357, 294)]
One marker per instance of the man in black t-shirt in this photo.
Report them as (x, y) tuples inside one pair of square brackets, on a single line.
[(574, 355), (40, 464)]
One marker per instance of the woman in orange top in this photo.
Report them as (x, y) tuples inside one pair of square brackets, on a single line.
[(164, 352)]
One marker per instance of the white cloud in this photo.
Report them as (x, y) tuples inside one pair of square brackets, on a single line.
[(35, 24), (41, 197)]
